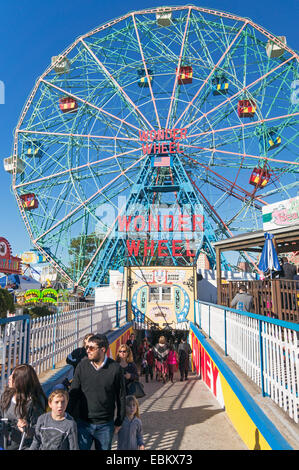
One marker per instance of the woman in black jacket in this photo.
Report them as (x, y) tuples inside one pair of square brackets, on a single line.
[(21, 403), (161, 351), (125, 358)]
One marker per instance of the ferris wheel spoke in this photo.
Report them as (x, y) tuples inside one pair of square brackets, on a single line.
[(70, 134), (211, 208), (242, 125), (76, 169), (146, 71), (211, 73), (91, 198), (99, 109), (247, 87), (228, 186), (243, 155), (117, 85), (178, 68)]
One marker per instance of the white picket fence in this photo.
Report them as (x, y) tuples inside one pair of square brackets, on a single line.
[(267, 350), (45, 341)]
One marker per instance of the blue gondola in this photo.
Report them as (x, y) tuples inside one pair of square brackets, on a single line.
[(144, 81), (219, 85), (34, 149)]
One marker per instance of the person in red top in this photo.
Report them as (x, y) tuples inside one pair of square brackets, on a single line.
[(149, 358), (172, 362)]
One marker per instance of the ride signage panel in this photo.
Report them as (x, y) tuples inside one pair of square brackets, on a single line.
[(8, 264), (163, 294), (281, 214)]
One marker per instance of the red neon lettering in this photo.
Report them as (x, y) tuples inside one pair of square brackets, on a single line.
[(189, 253), (147, 148), (215, 375), (208, 370), (166, 227), (182, 223), (151, 221), (153, 135), (122, 222), (162, 247), (143, 135), (196, 222), (151, 248), (175, 248), (178, 148), (136, 223), (131, 246), (184, 133)]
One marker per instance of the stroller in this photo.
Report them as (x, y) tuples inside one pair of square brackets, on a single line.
[(7, 427)]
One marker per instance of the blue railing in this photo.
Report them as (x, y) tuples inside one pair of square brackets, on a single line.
[(265, 348)]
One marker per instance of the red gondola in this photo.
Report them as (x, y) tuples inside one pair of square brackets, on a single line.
[(246, 108), (68, 105), (185, 75), (29, 201), (259, 177)]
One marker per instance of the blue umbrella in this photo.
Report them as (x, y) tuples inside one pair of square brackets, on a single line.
[(269, 259)]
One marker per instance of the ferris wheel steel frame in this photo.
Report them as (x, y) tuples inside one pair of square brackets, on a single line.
[(137, 116)]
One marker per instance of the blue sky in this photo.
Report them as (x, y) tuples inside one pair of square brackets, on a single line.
[(32, 31)]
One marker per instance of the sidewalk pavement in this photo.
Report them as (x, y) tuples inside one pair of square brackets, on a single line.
[(184, 416)]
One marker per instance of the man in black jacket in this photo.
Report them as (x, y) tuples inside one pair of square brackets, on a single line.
[(98, 385)]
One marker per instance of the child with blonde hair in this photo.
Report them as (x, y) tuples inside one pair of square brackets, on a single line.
[(130, 435), (56, 430)]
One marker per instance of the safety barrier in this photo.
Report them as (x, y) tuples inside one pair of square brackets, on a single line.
[(45, 341), (265, 349), (252, 425), (115, 338)]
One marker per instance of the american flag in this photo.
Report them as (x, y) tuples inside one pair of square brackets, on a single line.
[(161, 161)]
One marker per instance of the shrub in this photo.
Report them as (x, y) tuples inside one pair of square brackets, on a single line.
[(6, 303)]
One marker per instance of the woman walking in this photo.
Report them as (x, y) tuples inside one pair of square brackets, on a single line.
[(21, 403), (125, 358), (172, 361), (161, 351)]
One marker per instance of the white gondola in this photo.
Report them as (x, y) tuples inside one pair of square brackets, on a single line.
[(8, 165), (164, 18), (63, 66), (274, 50)]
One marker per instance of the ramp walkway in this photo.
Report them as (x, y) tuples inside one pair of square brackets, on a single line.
[(184, 416)]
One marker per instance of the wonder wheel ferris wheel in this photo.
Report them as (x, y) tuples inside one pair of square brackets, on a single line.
[(217, 90)]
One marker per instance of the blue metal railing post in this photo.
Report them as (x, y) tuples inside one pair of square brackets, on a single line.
[(27, 328), (117, 314), (54, 340), (261, 358)]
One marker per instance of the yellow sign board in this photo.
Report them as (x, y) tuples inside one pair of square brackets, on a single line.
[(163, 294)]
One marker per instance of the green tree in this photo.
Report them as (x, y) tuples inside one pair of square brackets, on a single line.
[(81, 250), (6, 303), (37, 311)]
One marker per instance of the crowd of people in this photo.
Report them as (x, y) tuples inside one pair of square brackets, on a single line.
[(100, 402)]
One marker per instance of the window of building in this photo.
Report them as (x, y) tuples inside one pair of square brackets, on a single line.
[(160, 294)]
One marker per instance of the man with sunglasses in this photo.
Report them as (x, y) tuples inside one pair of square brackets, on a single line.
[(97, 387)]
